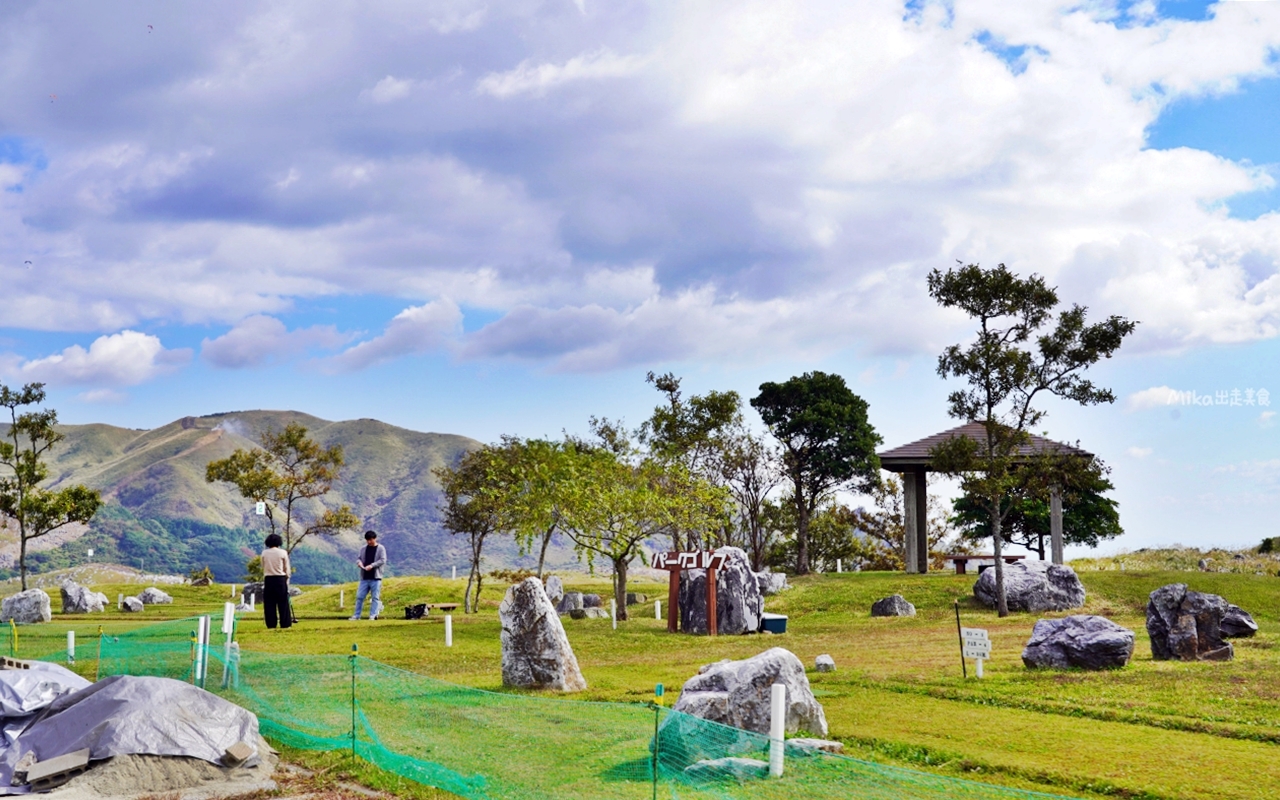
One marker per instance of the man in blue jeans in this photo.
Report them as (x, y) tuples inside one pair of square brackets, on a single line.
[(372, 559)]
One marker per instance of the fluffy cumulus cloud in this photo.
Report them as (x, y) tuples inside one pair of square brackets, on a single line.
[(260, 339), (617, 183), (127, 358)]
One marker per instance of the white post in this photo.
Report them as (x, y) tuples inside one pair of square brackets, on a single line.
[(228, 617), (252, 600), (455, 573), (777, 727), (657, 610), (71, 647), (613, 612), (202, 643), (978, 661), (233, 590), (342, 599), (120, 603), (448, 630), (839, 566), (228, 625)]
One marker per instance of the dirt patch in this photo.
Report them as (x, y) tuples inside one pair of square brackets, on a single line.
[(132, 776)]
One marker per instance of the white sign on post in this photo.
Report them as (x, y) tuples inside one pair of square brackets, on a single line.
[(260, 509), (977, 645)]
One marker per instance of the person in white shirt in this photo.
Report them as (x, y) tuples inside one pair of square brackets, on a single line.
[(275, 583)]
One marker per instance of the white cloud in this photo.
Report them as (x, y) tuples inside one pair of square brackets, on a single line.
[(127, 358), (416, 330), (390, 89), (1154, 397), (537, 79), (103, 396), (1139, 452), (260, 339), (1267, 419)]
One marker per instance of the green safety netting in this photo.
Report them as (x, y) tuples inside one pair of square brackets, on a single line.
[(479, 744)]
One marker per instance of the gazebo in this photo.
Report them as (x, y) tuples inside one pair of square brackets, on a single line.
[(912, 462)]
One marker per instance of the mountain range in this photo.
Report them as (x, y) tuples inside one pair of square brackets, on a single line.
[(160, 514)]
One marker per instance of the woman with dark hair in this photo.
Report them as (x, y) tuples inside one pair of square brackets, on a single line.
[(275, 583)]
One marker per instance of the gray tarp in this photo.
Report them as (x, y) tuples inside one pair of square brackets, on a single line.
[(130, 715), (23, 691)]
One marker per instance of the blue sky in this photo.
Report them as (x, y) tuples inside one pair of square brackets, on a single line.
[(483, 220)]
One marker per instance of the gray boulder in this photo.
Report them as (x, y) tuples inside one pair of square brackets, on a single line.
[(811, 746), (570, 602), (1083, 641), (634, 598), (589, 613), (294, 591), (893, 606), (535, 651), (771, 582), (1187, 625), (727, 768), (77, 599), (555, 589), (739, 602), (1034, 586), (592, 601), (152, 596), (1237, 623), (252, 591), (242, 607), (737, 693), (824, 663), (27, 608), (133, 604)]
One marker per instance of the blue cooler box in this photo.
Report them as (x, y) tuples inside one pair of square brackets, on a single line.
[(773, 623)]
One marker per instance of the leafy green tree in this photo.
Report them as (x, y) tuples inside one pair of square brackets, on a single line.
[(38, 510), (529, 475), (884, 525), (826, 442), (1006, 372), (475, 506), (750, 469), (288, 470), (834, 535), (1088, 517)]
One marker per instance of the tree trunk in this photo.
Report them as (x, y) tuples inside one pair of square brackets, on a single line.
[(542, 555), (22, 557), (466, 595), (1002, 604), (802, 537), (620, 585), (477, 545), (1040, 545)]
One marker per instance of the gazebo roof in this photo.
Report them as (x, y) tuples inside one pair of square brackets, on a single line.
[(914, 457)]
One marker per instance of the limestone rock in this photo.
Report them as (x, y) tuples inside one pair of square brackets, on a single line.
[(555, 589), (894, 605), (570, 601), (133, 604), (1187, 625), (242, 607), (1083, 641), (1203, 565), (77, 599), (252, 591), (535, 650), (808, 746), (152, 596), (27, 608), (1033, 586), (294, 591), (739, 602), (737, 693), (771, 582), (1237, 623), (728, 768), (589, 613), (635, 598), (824, 663), (592, 601)]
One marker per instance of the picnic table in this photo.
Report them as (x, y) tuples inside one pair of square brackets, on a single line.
[(961, 560)]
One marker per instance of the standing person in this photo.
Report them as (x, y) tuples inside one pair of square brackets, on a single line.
[(275, 583), (371, 562)]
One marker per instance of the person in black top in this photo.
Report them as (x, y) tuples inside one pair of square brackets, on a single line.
[(372, 559)]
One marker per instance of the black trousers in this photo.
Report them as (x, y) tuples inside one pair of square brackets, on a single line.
[(275, 601)]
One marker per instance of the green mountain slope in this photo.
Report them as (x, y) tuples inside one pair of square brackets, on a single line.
[(161, 510)]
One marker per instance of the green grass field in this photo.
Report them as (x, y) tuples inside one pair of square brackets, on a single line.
[(1151, 730)]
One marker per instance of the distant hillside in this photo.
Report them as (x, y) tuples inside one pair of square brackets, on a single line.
[(161, 515)]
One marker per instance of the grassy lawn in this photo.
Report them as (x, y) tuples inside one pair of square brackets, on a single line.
[(1153, 729)]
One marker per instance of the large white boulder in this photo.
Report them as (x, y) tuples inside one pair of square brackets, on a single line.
[(77, 599), (27, 608), (1033, 586), (555, 589), (739, 602), (152, 596), (737, 693), (535, 650)]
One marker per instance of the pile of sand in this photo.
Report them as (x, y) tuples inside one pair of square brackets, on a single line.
[(130, 776)]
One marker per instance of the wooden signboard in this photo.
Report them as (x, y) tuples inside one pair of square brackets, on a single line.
[(675, 563)]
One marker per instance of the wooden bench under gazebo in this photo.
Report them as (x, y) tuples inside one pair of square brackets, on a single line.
[(963, 559), (913, 463)]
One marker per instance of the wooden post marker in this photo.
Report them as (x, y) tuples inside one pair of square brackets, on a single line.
[(675, 563)]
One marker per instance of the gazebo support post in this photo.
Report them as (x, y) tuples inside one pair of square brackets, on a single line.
[(910, 523), (1055, 523), (922, 520)]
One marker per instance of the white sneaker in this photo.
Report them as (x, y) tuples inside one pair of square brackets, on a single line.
[(353, 619)]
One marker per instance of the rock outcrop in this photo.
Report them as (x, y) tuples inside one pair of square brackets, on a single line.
[(133, 605), (555, 589), (77, 599), (571, 601), (1187, 625), (1083, 641), (1034, 586), (27, 608), (1237, 623), (824, 663), (252, 593), (152, 596), (893, 606), (737, 693), (771, 582), (535, 650), (739, 602)]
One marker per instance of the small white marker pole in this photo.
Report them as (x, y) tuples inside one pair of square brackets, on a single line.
[(777, 727), (448, 630), (978, 661), (839, 566), (252, 599), (228, 625), (613, 613), (455, 573), (233, 590), (120, 603), (657, 610), (71, 647), (202, 643), (342, 599)]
